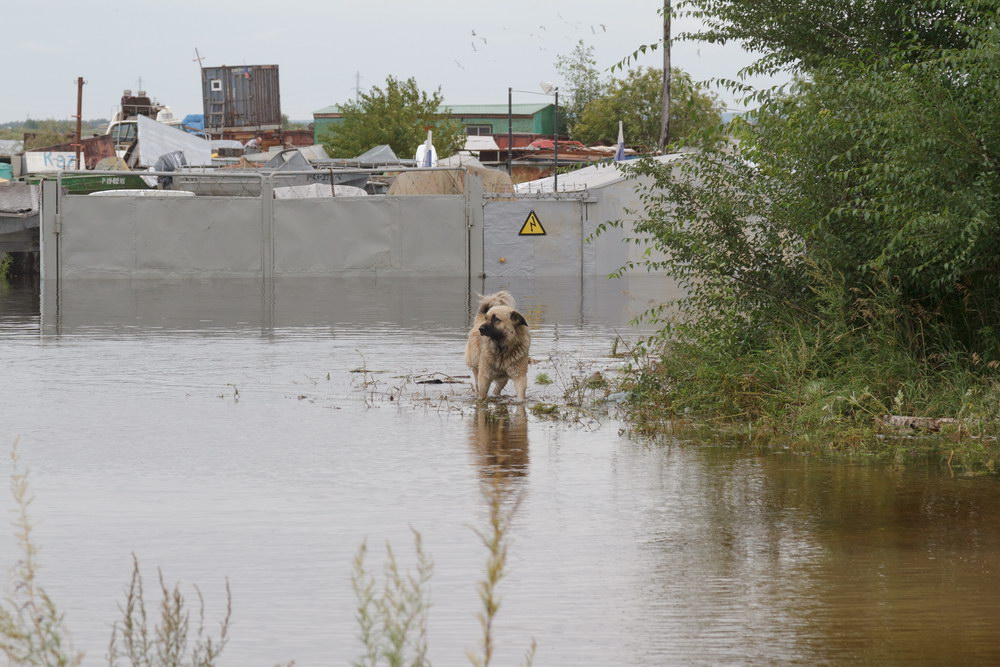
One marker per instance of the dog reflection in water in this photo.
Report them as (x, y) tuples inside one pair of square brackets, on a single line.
[(499, 439)]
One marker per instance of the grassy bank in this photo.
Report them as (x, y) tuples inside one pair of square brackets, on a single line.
[(838, 245), (867, 375)]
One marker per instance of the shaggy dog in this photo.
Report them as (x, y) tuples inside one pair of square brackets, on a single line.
[(497, 349)]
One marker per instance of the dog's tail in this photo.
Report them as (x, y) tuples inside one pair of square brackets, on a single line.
[(501, 298)]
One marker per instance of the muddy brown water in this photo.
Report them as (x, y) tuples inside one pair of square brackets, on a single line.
[(623, 552)]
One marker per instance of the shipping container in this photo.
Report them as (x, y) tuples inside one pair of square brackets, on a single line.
[(242, 98)]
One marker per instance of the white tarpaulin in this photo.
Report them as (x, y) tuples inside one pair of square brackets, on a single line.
[(587, 178), (314, 153), (475, 143), (156, 139)]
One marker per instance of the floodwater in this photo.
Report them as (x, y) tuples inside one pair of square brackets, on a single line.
[(216, 430)]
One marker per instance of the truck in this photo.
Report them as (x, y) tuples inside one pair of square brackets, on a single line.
[(123, 126)]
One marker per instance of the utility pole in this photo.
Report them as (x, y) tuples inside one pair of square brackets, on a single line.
[(510, 129), (665, 113), (79, 120), (555, 152), (357, 86)]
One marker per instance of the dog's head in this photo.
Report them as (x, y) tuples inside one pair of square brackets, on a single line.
[(502, 324)]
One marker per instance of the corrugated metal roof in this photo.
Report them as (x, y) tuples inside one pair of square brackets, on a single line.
[(588, 178), (333, 108), (493, 109), (484, 142)]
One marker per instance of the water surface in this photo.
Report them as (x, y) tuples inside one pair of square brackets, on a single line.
[(216, 429)]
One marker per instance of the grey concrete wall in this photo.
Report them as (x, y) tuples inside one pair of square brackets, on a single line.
[(610, 250), (558, 253), (570, 245), (448, 235), (159, 237), (176, 237), (607, 252), (423, 234), (18, 233)]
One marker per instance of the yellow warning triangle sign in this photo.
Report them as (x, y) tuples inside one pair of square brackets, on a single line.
[(532, 226)]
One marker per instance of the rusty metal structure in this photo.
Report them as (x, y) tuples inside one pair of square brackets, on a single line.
[(94, 149), (240, 100), (138, 104)]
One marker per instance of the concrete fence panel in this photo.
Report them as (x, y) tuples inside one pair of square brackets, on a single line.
[(533, 237), (160, 237), (404, 234)]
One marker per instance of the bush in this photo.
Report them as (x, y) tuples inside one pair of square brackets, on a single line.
[(839, 250)]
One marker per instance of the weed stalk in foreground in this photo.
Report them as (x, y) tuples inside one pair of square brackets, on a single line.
[(393, 624), (31, 626), (497, 542), (168, 643)]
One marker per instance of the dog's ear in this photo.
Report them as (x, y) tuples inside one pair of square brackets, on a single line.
[(518, 319)]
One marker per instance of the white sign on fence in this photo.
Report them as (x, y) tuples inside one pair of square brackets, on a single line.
[(42, 161)]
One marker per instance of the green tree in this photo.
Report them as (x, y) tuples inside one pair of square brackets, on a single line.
[(637, 100), (802, 35), (399, 116), (843, 244), (582, 84)]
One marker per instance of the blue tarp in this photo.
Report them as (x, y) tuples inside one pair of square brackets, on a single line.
[(194, 121)]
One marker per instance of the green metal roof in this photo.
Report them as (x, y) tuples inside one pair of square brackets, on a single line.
[(490, 109), (471, 109), (333, 108)]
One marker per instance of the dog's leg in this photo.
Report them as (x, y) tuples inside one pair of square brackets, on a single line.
[(521, 387), (475, 381), (482, 385), (500, 384)]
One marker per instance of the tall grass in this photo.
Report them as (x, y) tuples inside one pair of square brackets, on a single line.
[(496, 539), (392, 614), (831, 376), (393, 617), (168, 642), (6, 261), (31, 626), (32, 629)]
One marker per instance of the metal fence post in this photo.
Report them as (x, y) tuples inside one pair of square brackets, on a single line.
[(49, 229), (474, 202), (267, 228)]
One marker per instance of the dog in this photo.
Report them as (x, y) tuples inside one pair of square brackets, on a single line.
[(497, 349)]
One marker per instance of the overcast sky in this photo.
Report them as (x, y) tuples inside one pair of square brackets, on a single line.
[(320, 47)]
